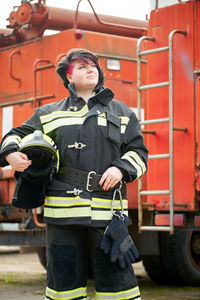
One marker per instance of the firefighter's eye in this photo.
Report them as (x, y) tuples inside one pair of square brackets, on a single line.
[(82, 67)]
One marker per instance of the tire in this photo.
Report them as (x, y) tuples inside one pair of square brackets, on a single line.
[(41, 252), (155, 269), (179, 259), (180, 254)]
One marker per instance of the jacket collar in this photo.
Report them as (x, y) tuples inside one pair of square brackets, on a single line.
[(103, 96)]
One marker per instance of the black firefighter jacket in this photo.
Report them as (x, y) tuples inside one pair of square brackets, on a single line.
[(90, 137)]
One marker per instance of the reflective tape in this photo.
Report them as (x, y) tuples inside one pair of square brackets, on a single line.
[(85, 298), (123, 128), (124, 120), (71, 207), (136, 162), (48, 127), (137, 159), (128, 294), (72, 294), (106, 203), (11, 139), (72, 212), (102, 121), (63, 114), (66, 201), (103, 215), (63, 118), (79, 212)]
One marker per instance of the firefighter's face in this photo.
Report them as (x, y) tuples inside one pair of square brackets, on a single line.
[(84, 75)]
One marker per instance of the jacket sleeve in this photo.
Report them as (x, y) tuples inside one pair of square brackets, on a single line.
[(10, 142), (134, 154)]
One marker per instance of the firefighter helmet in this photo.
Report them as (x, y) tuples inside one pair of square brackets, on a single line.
[(42, 151), (30, 185)]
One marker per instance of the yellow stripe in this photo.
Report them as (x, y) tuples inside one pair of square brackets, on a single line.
[(134, 164), (138, 159), (67, 294), (102, 121), (66, 204), (98, 215), (11, 139), (124, 120), (125, 206), (67, 212), (119, 295), (95, 203), (62, 198), (103, 115), (108, 203), (66, 207), (105, 200), (66, 201), (123, 128), (77, 212), (62, 122), (59, 113), (85, 298)]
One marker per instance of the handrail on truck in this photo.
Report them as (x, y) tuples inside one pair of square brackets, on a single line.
[(35, 70), (169, 120)]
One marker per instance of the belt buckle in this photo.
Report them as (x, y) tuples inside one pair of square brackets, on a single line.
[(89, 177)]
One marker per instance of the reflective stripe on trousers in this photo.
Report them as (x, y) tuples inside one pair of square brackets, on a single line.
[(79, 293), (128, 294)]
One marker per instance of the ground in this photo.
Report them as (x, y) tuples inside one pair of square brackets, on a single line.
[(22, 277)]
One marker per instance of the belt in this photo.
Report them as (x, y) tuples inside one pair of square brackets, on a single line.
[(87, 180)]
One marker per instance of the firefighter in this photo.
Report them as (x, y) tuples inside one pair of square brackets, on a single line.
[(101, 149)]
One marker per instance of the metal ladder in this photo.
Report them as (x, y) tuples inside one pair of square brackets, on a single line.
[(169, 120)]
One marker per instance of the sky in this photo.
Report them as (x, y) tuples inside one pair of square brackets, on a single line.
[(133, 9)]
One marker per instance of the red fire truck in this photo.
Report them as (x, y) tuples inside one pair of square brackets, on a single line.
[(154, 67)]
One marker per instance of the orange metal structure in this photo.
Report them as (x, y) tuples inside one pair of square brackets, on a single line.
[(157, 74)]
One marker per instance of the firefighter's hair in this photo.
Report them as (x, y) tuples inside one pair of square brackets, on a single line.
[(73, 54)]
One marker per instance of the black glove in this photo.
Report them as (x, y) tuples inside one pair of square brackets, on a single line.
[(118, 242)]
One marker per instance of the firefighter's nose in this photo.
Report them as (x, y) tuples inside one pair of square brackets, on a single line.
[(89, 68)]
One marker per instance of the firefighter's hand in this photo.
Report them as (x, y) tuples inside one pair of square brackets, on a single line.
[(110, 178), (18, 161)]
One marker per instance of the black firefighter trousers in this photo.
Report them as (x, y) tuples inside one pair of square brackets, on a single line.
[(68, 248)]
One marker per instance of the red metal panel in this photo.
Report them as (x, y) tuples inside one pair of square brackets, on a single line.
[(11, 91), (164, 219), (197, 94), (162, 22)]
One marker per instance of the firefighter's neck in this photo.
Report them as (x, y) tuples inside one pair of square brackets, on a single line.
[(85, 94)]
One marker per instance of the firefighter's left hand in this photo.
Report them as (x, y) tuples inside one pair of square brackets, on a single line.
[(110, 178)]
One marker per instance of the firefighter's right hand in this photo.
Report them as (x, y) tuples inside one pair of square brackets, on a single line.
[(18, 161)]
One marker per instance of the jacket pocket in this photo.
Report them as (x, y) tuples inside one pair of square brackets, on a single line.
[(114, 127)]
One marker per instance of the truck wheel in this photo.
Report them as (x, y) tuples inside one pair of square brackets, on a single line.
[(180, 255), (155, 269)]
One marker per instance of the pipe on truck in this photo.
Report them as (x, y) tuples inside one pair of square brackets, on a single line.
[(36, 18)]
